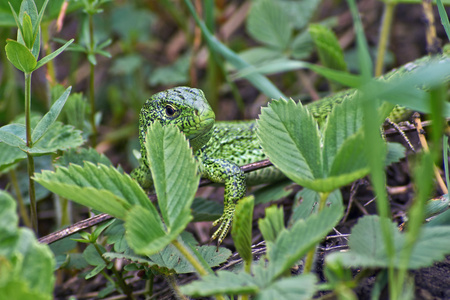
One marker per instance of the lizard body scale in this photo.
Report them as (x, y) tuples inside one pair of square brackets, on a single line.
[(222, 147)]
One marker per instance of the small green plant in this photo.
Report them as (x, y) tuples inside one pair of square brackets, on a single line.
[(23, 53), (91, 48)]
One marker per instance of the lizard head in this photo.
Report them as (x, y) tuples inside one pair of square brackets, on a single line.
[(184, 107)]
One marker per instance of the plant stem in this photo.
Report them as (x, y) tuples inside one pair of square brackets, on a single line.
[(173, 284), (186, 252), (191, 258), (149, 284), (120, 282), (28, 108), (323, 200), (445, 150), (388, 14), (22, 208), (310, 256), (92, 82), (31, 189)]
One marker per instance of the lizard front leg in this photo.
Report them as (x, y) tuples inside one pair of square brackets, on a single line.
[(224, 171), (143, 176)]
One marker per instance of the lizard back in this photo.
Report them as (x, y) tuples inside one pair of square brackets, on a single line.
[(237, 142)]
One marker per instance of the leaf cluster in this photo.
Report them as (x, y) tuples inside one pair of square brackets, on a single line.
[(26, 266)]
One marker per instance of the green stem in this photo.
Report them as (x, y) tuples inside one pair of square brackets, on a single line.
[(28, 109), (120, 282), (92, 82), (191, 258), (310, 256), (149, 284), (22, 208), (388, 15), (173, 284), (445, 150), (31, 189)]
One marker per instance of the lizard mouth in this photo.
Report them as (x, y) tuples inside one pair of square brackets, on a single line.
[(202, 130), (202, 135)]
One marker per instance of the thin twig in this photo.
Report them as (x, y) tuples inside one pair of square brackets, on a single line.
[(424, 143)]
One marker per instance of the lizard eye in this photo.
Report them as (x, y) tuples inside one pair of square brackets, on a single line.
[(170, 111)]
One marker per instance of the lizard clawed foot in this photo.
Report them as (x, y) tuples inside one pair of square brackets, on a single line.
[(224, 223)]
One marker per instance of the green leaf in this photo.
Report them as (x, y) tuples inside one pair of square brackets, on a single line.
[(92, 257), (52, 55), (57, 137), (344, 121), (23, 258), (175, 181), (290, 137), (273, 192), (115, 235), (20, 56), (272, 224), (28, 7), (329, 50), (80, 155), (285, 65), (206, 210), (300, 12), (401, 87), (364, 59), (17, 289), (302, 45), (13, 135), (298, 287), (99, 229), (350, 162), (37, 29), (444, 17), (301, 287), (174, 172), (260, 55), (309, 203), (288, 248), (50, 117), (395, 152), (8, 216), (27, 31), (241, 231), (268, 24), (9, 156), (367, 247), (145, 232), (64, 245), (99, 187), (223, 282), (94, 272), (171, 259), (16, 19)]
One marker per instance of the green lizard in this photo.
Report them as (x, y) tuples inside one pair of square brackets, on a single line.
[(222, 147)]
